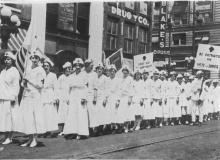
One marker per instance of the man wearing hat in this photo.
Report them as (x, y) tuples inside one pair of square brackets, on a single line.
[(77, 118), (63, 95), (9, 86), (49, 98), (196, 99), (31, 104)]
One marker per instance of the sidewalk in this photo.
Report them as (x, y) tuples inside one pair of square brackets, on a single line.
[(92, 147)]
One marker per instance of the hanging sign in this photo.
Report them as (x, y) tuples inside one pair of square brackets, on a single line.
[(162, 29)]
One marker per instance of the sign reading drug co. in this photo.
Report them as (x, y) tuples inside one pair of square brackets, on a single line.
[(128, 15)]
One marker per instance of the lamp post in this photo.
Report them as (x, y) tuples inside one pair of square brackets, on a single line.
[(9, 23)]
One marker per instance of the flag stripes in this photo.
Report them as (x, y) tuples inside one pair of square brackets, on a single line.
[(15, 41), (15, 44), (20, 59)]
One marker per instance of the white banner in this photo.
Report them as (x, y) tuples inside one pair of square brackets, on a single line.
[(208, 57), (143, 61)]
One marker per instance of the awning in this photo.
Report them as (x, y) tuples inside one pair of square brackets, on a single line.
[(155, 39)]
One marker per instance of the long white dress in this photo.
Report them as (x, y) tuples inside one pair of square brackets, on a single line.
[(90, 77), (164, 97), (62, 93), (125, 112), (156, 94), (148, 109), (9, 86), (31, 104), (112, 94), (101, 114), (172, 95), (77, 117), (138, 96), (48, 99)]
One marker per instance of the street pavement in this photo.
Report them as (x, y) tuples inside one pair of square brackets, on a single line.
[(176, 142)]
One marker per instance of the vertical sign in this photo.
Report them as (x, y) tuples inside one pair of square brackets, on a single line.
[(162, 29)]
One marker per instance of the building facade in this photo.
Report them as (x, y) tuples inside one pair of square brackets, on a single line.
[(192, 23), (125, 25)]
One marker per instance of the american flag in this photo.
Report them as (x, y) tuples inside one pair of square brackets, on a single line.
[(15, 44)]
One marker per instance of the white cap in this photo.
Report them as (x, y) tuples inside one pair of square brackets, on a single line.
[(112, 66), (125, 68), (172, 73), (191, 77), (214, 81), (179, 76), (36, 53), (144, 71), (67, 64), (47, 60), (186, 74), (78, 61), (100, 65), (88, 61), (10, 55), (199, 72)]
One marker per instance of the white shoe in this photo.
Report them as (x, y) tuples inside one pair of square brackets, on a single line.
[(78, 137), (7, 141), (148, 127), (33, 143), (126, 130), (60, 134), (24, 145), (161, 125), (172, 124), (137, 128), (187, 122)]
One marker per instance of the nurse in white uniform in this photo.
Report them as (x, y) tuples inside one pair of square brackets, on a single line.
[(77, 117), (138, 99), (125, 113), (62, 93), (31, 103), (9, 86), (49, 98)]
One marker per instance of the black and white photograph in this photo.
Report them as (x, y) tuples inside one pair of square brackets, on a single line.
[(114, 79)]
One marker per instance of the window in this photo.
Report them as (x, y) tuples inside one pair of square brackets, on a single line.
[(129, 5), (180, 19), (143, 8), (128, 37), (205, 10), (112, 34), (142, 41), (179, 39), (202, 37)]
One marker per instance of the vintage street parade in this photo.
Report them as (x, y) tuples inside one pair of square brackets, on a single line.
[(47, 95)]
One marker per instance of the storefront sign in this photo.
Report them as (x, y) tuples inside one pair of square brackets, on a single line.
[(128, 15), (208, 57), (162, 29), (143, 61), (65, 16)]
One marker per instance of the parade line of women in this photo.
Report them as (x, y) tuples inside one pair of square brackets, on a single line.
[(86, 101)]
